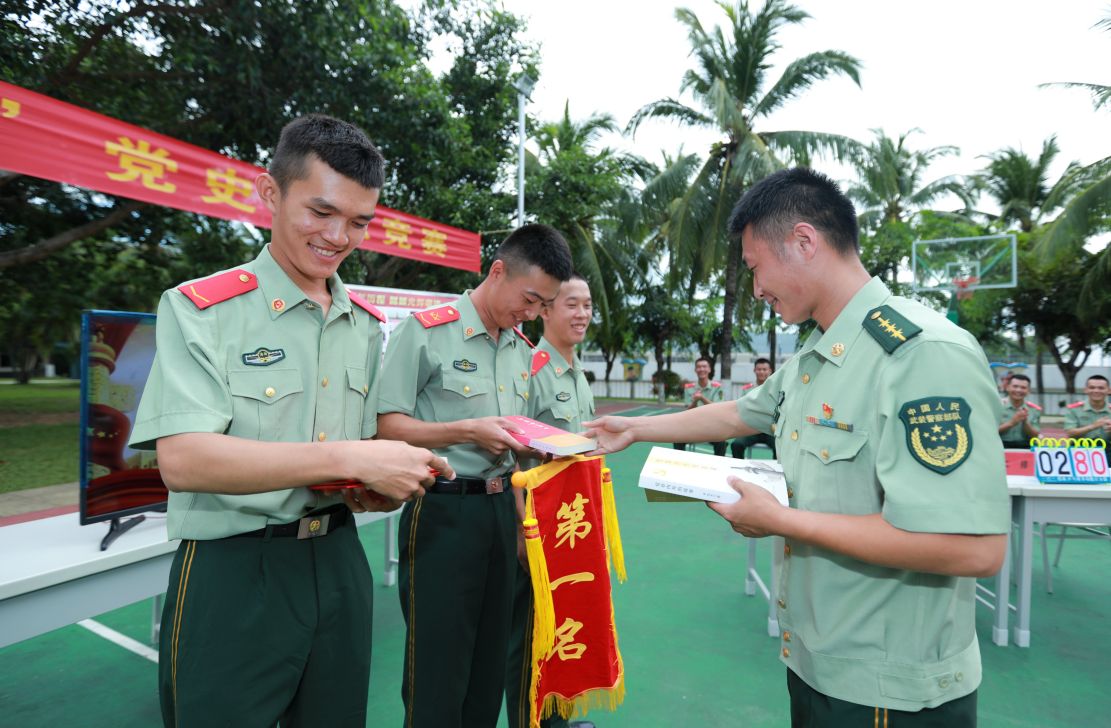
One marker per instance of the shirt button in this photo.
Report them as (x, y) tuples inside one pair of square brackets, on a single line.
[(795, 435), (786, 636), (466, 390), (782, 604), (959, 676), (773, 428), (270, 392), (322, 436), (324, 382), (943, 683), (365, 389), (825, 454), (806, 379), (786, 652), (501, 387), (243, 278)]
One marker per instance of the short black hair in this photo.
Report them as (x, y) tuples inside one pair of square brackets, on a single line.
[(339, 144), (761, 360), (705, 359), (1023, 377), (539, 245), (774, 204), (1096, 376)]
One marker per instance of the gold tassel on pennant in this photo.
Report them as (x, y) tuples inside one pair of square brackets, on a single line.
[(543, 636), (613, 529)]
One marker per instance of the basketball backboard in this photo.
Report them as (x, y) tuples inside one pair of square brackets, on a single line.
[(965, 264)]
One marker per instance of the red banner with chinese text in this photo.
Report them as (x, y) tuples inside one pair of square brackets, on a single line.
[(583, 668), (47, 138)]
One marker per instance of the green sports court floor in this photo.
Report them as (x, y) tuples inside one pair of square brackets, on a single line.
[(695, 647)]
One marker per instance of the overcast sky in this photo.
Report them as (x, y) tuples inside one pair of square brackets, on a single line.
[(965, 72)]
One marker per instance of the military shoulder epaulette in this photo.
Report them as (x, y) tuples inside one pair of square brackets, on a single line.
[(437, 316), (1031, 404), (539, 359), (890, 328), (715, 384), (522, 335), (365, 305), (688, 385), (1074, 405), (748, 386), (219, 288)]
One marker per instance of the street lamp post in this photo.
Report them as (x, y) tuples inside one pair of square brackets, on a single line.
[(524, 85)]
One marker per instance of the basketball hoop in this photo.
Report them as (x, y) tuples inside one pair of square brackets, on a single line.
[(962, 287)]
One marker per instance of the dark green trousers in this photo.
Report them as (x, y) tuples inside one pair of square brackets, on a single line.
[(737, 447), (518, 668), (811, 709), (257, 631), (458, 560)]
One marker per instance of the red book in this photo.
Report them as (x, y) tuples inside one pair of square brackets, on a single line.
[(546, 438)]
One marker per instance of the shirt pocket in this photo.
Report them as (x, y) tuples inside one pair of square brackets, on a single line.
[(834, 481), (465, 396), (520, 399), (354, 402), (563, 414), (266, 404)]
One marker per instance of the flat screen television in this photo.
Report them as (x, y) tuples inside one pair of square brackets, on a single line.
[(117, 351)]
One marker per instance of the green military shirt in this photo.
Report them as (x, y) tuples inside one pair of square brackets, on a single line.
[(1083, 416), (561, 395), (455, 371), (712, 391), (910, 434), (264, 365), (1015, 436)]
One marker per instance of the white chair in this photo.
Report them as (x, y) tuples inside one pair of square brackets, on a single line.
[(1097, 531)]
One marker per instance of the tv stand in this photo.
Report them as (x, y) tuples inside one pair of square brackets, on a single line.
[(117, 529)]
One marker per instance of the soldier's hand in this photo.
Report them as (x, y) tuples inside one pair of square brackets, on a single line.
[(395, 469), (492, 434), (1021, 415), (361, 500), (612, 433), (753, 514)]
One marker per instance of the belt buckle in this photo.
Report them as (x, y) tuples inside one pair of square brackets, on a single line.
[(313, 526), (494, 485)]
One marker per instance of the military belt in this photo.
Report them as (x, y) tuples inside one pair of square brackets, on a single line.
[(470, 486), (313, 525)]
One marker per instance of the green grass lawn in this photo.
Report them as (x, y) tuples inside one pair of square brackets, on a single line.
[(35, 398), (38, 442), (37, 455)]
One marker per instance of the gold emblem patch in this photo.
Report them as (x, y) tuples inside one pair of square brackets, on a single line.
[(938, 432)]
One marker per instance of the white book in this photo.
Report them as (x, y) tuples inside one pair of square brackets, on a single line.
[(670, 474)]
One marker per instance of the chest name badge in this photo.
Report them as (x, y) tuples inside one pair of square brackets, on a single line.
[(465, 366), (263, 357), (563, 396), (938, 435)]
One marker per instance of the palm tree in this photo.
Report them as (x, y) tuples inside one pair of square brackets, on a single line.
[(1020, 184), (734, 94), (891, 184), (1088, 211), (583, 191)]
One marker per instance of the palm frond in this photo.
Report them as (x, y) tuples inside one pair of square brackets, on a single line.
[(668, 109), (802, 73)]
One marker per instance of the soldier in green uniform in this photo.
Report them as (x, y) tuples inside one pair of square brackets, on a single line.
[(702, 391), (560, 397), (451, 376), (265, 380), (1019, 419), (761, 369), (1091, 419), (894, 470)]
